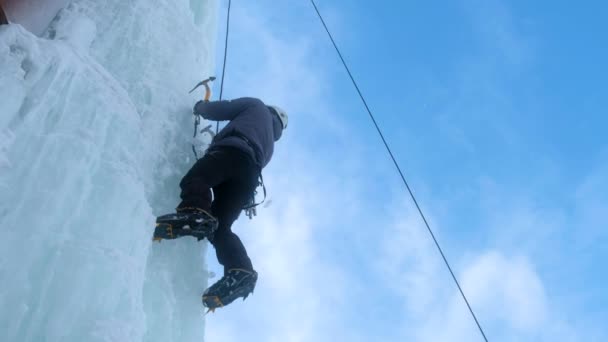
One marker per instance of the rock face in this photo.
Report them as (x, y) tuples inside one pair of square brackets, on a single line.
[(3, 20), (33, 15)]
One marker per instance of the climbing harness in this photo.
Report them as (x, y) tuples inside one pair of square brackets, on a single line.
[(250, 207), (400, 172)]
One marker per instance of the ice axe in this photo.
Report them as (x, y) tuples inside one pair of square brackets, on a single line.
[(197, 119), (207, 88)]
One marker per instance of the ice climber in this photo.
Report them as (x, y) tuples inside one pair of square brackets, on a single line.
[(230, 167)]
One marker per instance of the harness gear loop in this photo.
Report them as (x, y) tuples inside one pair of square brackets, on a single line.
[(250, 207)]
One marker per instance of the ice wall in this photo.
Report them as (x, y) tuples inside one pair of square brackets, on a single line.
[(95, 122)]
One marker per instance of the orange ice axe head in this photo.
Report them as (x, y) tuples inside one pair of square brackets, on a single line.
[(207, 88)]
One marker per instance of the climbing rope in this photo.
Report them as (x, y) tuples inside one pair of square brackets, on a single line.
[(217, 127), (400, 173)]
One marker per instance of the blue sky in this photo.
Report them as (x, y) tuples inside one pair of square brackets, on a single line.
[(495, 111)]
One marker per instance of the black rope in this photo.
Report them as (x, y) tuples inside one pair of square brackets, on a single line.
[(400, 172), (197, 121), (217, 126)]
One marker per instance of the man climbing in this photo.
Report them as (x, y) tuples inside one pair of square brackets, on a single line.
[(230, 167)]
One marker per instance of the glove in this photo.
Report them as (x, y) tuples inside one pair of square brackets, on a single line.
[(198, 108)]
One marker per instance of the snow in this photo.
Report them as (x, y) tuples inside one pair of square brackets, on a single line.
[(95, 129)]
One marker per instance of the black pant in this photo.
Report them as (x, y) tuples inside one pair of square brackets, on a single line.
[(233, 176)]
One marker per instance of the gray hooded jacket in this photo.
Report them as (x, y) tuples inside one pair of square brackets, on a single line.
[(252, 127)]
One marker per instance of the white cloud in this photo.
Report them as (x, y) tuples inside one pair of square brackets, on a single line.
[(494, 280), (408, 262), (512, 297), (505, 292)]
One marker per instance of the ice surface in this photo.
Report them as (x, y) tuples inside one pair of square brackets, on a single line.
[(95, 127)]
